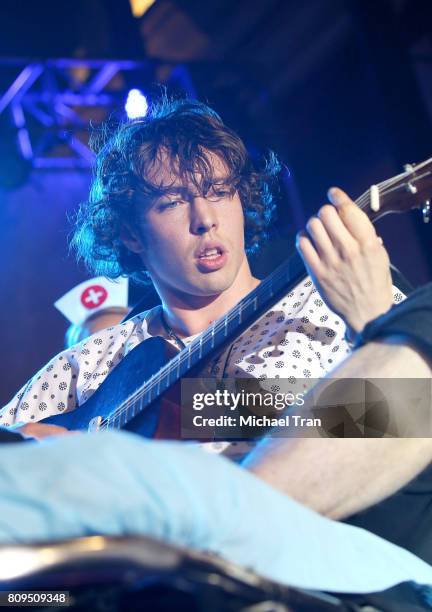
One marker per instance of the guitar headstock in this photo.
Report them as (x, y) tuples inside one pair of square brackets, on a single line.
[(406, 191)]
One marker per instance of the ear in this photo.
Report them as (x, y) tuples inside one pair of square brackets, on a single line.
[(131, 239)]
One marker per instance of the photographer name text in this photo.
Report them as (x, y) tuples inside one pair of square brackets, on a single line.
[(291, 420)]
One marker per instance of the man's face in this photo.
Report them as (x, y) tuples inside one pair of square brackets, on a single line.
[(191, 243)]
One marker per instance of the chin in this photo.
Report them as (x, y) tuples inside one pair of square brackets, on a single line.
[(212, 284)]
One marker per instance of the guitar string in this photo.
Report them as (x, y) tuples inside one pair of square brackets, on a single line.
[(420, 176), (188, 353), (185, 355), (177, 361), (396, 179), (364, 199)]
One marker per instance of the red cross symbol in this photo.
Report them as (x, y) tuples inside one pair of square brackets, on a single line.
[(94, 296)]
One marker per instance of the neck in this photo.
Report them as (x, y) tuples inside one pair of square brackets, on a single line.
[(189, 314)]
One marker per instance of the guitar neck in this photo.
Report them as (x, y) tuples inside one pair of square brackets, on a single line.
[(212, 341), (399, 194)]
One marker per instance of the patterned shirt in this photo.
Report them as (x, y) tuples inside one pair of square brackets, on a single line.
[(298, 338)]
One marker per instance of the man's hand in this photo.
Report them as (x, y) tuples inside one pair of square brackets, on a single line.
[(347, 261), (39, 431)]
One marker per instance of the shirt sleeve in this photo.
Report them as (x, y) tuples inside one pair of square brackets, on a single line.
[(72, 376), (328, 342), (51, 391)]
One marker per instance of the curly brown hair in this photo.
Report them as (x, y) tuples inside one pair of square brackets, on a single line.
[(187, 130)]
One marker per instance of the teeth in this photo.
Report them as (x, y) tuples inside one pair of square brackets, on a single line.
[(210, 252)]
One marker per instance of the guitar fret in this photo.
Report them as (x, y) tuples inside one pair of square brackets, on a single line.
[(139, 405), (123, 416), (219, 331)]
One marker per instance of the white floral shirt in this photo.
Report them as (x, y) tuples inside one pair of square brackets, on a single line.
[(298, 338)]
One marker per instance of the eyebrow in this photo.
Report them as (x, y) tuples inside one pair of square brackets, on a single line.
[(171, 190), (174, 189)]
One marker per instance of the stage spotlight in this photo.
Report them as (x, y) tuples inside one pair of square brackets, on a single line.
[(139, 7), (136, 104)]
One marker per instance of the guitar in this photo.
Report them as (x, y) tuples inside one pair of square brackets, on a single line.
[(141, 394)]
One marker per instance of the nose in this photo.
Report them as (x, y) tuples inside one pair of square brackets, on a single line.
[(203, 216)]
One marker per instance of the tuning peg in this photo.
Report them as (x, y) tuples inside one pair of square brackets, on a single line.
[(426, 211), (409, 167)]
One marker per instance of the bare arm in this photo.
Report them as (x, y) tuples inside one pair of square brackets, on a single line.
[(338, 477)]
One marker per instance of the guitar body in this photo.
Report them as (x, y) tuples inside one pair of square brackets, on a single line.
[(159, 420)]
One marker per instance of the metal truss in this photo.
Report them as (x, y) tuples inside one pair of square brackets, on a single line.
[(51, 103)]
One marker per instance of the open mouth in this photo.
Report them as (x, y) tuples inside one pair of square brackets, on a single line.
[(211, 258), (211, 253)]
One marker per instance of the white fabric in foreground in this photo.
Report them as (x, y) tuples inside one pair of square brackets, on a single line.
[(120, 484)]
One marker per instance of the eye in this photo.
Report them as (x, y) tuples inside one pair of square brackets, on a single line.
[(169, 205), (217, 193)]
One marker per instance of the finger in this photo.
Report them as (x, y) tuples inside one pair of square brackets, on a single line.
[(309, 255), (341, 238), (354, 219), (320, 239)]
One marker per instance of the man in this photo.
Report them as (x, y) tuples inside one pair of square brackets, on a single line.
[(175, 194), (177, 197)]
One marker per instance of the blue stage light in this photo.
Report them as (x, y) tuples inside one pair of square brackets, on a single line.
[(136, 104)]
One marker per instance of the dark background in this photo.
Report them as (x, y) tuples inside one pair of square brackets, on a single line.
[(340, 89)]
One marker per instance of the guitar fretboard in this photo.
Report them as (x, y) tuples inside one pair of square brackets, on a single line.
[(212, 340)]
